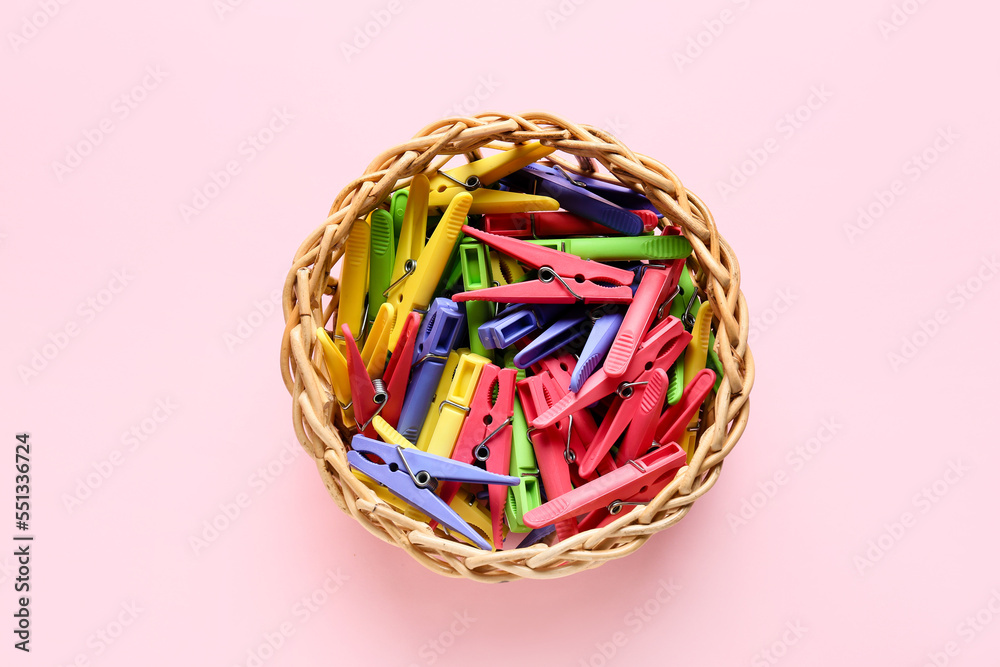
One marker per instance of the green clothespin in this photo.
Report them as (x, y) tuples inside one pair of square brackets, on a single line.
[(527, 495), (476, 275), (383, 255), (621, 248), (684, 309), (397, 206)]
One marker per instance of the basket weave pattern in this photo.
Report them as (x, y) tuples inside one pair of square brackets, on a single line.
[(311, 296)]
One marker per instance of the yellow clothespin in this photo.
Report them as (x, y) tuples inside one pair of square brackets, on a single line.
[(695, 358), (413, 233), (353, 285), (433, 412), (456, 405), (377, 344), (418, 289), (473, 177), (336, 364)]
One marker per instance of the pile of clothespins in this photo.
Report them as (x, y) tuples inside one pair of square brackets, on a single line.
[(539, 361)]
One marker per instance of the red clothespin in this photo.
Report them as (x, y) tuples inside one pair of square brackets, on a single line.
[(560, 365), (639, 436), (626, 412), (397, 371), (628, 485), (662, 345), (656, 283), (673, 422), (486, 435), (562, 278), (367, 395), (553, 445)]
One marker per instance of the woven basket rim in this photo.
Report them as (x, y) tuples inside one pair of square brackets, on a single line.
[(717, 277)]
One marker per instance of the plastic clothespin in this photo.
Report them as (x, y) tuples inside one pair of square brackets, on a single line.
[(516, 322), (562, 278), (369, 395), (674, 421), (554, 224), (433, 412), (353, 282), (622, 248), (662, 345), (374, 353), (641, 429), (411, 474), (527, 495), (559, 365), (476, 275), (694, 361), (474, 176), (613, 192), (574, 196), (418, 288), (684, 307), (650, 294), (562, 332), (455, 406), (397, 371), (438, 333), (383, 251), (340, 379), (397, 207), (412, 223), (464, 503), (626, 413), (552, 445), (598, 343), (601, 516), (504, 270), (486, 436), (612, 491)]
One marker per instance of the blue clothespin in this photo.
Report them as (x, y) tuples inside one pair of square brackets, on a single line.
[(412, 475), (598, 343), (440, 330), (516, 322), (573, 196), (563, 332)]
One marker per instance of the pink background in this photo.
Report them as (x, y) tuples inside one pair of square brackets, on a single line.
[(842, 547)]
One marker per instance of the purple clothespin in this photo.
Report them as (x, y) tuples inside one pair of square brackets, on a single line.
[(598, 343), (411, 474), (576, 198), (616, 194), (439, 331), (563, 332), (516, 322)]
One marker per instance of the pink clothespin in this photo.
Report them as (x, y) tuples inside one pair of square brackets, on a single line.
[(662, 345), (553, 445), (486, 436), (639, 436), (613, 491), (673, 422), (562, 278)]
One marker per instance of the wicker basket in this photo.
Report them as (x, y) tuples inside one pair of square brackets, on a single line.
[(311, 298)]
